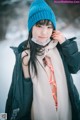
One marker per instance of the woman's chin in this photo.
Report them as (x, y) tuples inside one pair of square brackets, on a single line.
[(42, 39)]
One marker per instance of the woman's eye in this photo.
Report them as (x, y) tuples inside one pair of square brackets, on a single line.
[(39, 26), (50, 27)]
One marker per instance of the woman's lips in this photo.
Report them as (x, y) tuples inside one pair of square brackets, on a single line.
[(43, 37)]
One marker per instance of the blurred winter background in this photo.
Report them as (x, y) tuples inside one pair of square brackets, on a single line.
[(13, 30)]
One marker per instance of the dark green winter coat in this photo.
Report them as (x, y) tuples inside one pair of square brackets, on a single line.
[(18, 104)]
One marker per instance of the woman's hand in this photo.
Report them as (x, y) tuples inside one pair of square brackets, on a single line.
[(57, 35)]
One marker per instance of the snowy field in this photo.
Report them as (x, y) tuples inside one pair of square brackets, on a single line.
[(7, 61)]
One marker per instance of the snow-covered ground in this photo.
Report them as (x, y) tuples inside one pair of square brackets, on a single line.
[(16, 33), (7, 61)]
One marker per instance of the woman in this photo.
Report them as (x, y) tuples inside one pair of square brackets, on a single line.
[(42, 87)]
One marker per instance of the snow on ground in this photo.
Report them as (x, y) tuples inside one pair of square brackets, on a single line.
[(7, 58)]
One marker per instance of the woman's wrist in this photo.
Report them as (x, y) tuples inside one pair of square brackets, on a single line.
[(62, 41)]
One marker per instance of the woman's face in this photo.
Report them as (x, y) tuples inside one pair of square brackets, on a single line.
[(42, 32)]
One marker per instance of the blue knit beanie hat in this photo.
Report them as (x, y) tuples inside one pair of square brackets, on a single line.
[(40, 10)]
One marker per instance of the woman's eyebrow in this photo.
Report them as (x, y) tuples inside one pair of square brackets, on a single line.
[(50, 23)]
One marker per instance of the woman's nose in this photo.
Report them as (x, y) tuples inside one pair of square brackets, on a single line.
[(44, 30)]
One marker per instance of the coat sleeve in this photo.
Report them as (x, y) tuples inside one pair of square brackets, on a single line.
[(18, 104), (71, 55)]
